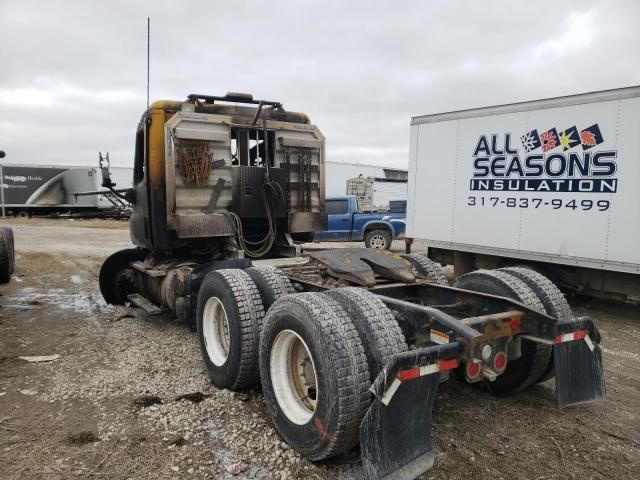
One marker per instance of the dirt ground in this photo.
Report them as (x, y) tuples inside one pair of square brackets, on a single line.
[(128, 396)]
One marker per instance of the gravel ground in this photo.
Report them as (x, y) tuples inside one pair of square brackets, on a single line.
[(128, 396)]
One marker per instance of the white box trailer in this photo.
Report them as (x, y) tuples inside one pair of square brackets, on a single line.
[(50, 189), (553, 183)]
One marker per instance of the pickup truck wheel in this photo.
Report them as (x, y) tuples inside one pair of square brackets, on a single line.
[(229, 321), (5, 260), (524, 371), (271, 282), (552, 299), (376, 325), (425, 268), (380, 239), (117, 279), (7, 234), (314, 374)]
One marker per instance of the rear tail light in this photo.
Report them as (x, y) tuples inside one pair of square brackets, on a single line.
[(472, 370), (500, 361)]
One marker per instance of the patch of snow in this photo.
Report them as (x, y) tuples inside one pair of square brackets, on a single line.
[(78, 302)]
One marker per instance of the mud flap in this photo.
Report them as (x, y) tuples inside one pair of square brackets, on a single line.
[(578, 365), (395, 434), (395, 440)]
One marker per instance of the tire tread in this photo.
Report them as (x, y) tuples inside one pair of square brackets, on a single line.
[(377, 327), (347, 356), (251, 314), (425, 268)]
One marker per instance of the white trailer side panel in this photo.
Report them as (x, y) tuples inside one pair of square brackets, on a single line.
[(477, 185), (337, 174), (385, 192)]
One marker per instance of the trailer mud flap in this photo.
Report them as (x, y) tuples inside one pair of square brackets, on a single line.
[(578, 365), (395, 434), (395, 440)]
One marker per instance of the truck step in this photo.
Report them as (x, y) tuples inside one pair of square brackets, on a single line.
[(139, 301), (152, 272)]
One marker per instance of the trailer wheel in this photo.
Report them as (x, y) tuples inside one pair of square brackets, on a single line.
[(7, 234), (229, 321), (117, 278), (552, 299), (425, 268), (380, 239), (377, 327), (314, 374), (271, 282), (5, 260), (529, 367)]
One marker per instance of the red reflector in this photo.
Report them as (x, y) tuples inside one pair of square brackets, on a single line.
[(409, 374), (579, 335), (448, 364), (473, 369), (500, 361), (515, 323), (568, 337)]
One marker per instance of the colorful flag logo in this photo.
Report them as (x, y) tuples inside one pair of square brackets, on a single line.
[(591, 136), (530, 141), (569, 138), (549, 140)]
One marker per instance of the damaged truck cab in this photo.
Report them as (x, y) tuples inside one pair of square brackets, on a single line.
[(178, 204)]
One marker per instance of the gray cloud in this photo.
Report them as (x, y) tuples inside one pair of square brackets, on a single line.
[(73, 73)]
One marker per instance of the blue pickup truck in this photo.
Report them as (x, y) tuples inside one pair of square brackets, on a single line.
[(348, 224)]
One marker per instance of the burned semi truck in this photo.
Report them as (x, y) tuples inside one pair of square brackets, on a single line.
[(349, 345)]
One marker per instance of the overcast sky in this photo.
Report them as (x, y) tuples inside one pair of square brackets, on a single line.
[(73, 73)]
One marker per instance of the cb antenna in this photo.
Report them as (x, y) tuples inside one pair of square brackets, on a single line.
[(148, 50)]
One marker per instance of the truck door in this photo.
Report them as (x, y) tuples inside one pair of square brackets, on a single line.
[(339, 221)]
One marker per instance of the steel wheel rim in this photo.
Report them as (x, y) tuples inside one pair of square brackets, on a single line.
[(293, 377), (215, 329), (378, 241)]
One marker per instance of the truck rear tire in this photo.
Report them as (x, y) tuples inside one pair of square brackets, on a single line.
[(377, 327), (425, 268), (314, 374), (229, 322), (380, 239), (271, 282), (7, 234), (5, 260), (117, 278), (552, 299), (524, 371)]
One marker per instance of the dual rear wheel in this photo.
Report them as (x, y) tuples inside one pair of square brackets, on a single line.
[(535, 362), (316, 353)]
